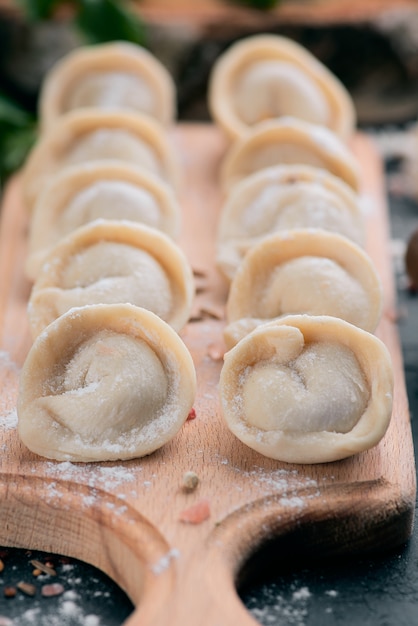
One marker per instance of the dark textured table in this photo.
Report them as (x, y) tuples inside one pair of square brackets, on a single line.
[(378, 591)]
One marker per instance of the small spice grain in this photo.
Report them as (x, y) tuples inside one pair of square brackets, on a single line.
[(46, 568), (197, 513), (191, 415), (215, 352), (190, 481), (9, 592), (27, 588), (54, 589)]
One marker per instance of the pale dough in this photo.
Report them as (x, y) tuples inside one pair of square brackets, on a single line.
[(307, 389), (267, 76), (288, 140), (108, 261), (280, 198), (84, 193), (111, 76), (104, 382), (306, 271), (86, 136)]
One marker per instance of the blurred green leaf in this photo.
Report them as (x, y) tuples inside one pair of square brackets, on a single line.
[(39, 9), (13, 114), (14, 147), (98, 20), (18, 131), (107, 20)]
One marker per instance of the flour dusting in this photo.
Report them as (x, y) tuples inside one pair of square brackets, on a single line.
[(164, 562), (97, 476), (277, 608), (8, 421)]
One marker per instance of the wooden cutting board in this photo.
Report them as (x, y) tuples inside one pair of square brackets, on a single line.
[(217, 15), (124, 517)]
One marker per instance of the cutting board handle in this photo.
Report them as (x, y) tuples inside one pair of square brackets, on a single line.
[(205, 589), (199, 587)]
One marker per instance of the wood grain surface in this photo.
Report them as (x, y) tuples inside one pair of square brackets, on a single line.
[(124, 517), (208, 14), (214, 13)]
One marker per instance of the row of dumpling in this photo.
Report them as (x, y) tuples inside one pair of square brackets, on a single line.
[(304, 379), (108, 377)]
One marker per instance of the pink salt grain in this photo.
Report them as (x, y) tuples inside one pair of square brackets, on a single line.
[(191, 415), (54, 589), (197, 513), (215, 352)]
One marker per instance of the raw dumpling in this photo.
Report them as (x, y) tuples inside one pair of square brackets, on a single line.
[(108, 262), (85, 136), (269, 76), (84, 193), (306, 271), (116, 75), (280, 198), (289, 141), (307, 389), (104, 382)]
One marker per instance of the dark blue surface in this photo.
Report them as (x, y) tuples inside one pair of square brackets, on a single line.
[(89, 597)]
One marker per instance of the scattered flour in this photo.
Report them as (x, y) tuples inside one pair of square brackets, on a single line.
[(164, 562), (278, 603), (70, 594), (295, 502), (98, 475), (9, 372), (280, 610), (286, 482), (8, 421), (68, 613), (301, 594), (6, 362)]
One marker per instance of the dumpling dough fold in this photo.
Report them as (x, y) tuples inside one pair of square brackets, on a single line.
[(307, 389), (86, 136), (269, 76), (104, 382), (84, 193), (285, 197), (305, 271), (112, 261), (115, 75), (288, 140)]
